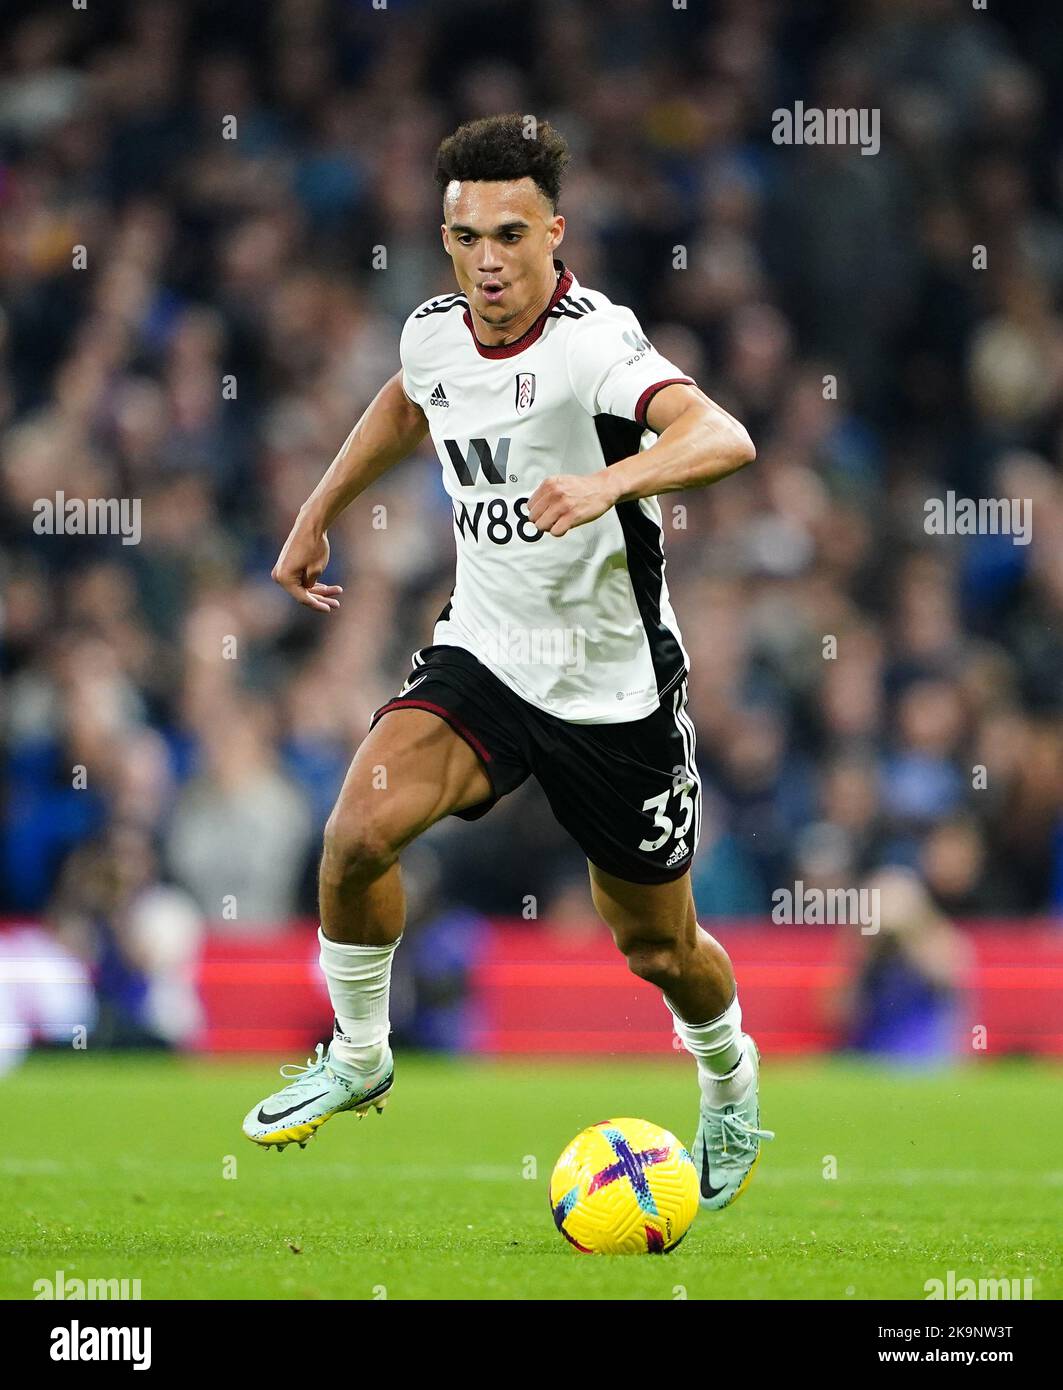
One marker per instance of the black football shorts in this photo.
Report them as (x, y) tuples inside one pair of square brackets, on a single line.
[(628, 794)]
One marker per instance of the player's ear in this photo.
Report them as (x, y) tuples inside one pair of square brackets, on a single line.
[(557, 231), (446, 237)]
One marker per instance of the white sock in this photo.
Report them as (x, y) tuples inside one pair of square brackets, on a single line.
[(725, 1072), (359, 985)]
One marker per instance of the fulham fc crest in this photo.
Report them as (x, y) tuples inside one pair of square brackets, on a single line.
[(525, 390)]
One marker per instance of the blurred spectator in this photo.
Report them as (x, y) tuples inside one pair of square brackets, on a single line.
[(138, 936), (902, 999), (46, 994), (240, 830)]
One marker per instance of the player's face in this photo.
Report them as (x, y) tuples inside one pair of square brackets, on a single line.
[(502, 237)]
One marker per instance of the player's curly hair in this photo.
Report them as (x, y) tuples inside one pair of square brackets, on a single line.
[(504, 147)]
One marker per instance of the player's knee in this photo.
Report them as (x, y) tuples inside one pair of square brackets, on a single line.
[(658, 962), (357, 847)]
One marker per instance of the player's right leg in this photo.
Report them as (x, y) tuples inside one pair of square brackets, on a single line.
[(411, 770)]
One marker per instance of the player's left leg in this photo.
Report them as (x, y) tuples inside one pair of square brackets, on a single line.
[(656, 928)]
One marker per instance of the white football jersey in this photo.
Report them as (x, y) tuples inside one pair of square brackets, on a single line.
[(578, 625)]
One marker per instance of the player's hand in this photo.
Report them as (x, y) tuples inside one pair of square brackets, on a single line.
[(558, 504), (299, 566)]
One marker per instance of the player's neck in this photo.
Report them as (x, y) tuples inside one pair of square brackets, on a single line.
[(500, 335)]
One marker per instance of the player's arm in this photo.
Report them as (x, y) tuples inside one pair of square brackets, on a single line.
[(390, 429), (698, 443)]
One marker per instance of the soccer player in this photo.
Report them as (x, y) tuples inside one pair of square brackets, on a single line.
[(558, 656)]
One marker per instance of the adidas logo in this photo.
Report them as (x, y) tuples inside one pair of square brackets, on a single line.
[(680, 852), (439, 397)]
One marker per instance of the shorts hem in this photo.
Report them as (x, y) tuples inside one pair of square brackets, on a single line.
[(659, 877)]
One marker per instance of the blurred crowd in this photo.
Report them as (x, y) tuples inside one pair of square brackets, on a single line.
[(175, 729)]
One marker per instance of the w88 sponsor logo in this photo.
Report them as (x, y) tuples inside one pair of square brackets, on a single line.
[(494, 518)]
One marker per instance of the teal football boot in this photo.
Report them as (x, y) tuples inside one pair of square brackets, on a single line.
[(727, 1146), (321, 1089)]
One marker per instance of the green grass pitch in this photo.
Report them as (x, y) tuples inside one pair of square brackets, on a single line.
[(114, 1167)]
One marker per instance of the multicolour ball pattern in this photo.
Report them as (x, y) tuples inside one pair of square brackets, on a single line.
[(624, 1187)]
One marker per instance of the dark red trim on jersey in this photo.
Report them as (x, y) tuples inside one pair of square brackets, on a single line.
[(651, 391), (444, 714), (564, 284)]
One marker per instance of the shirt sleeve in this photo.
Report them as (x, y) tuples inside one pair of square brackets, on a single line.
[(409, 382), (614, 369)]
